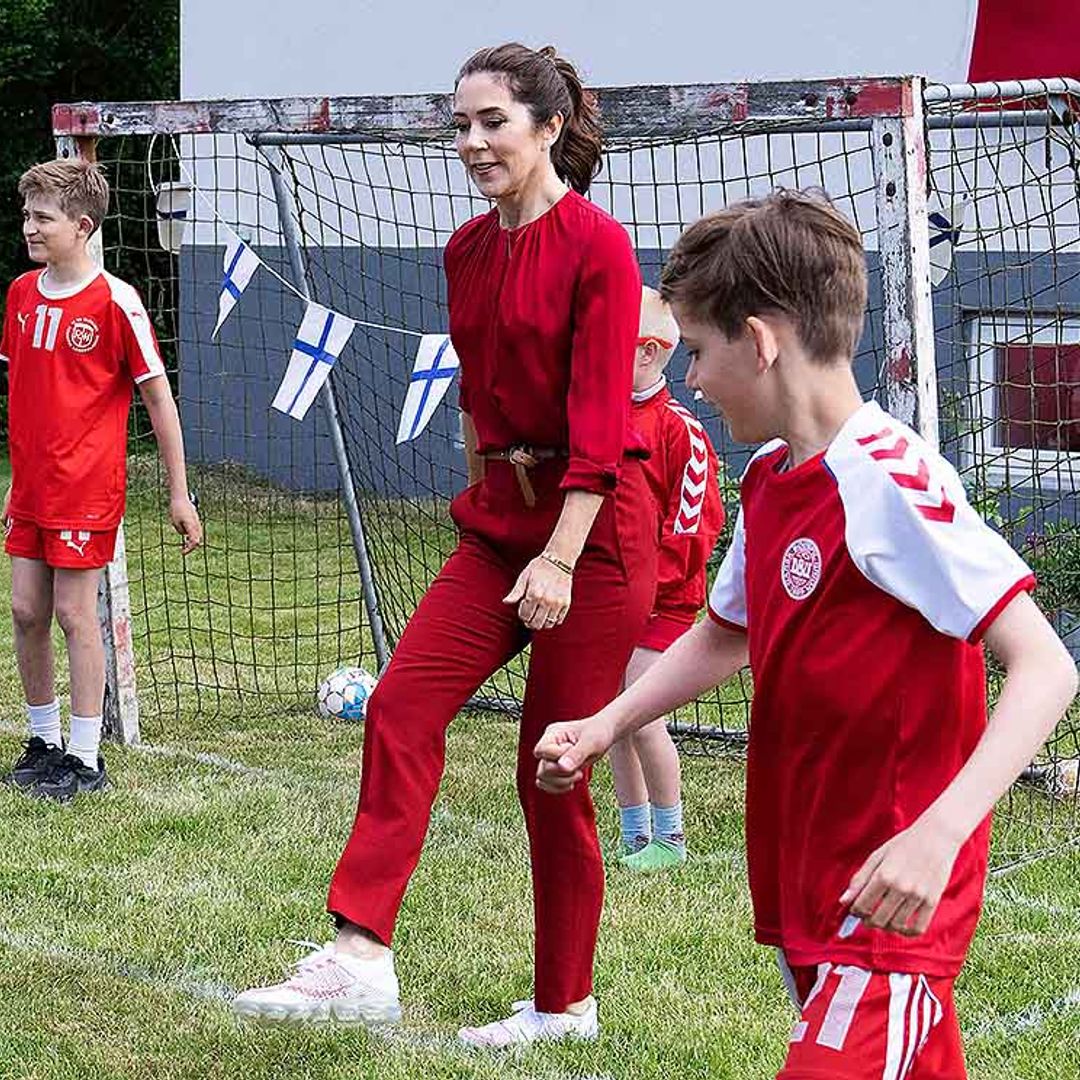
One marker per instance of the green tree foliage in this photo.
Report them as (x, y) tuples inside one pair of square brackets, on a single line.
[(72, 50)]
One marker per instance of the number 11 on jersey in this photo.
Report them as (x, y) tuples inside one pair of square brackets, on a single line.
[(46, 338)]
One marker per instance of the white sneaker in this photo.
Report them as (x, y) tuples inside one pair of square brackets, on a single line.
[(329, 985), (526, 1025)]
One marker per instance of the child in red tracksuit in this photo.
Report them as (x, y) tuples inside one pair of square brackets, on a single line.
[(682, 477)]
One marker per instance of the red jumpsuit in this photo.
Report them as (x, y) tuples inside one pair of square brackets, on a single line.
[(543, 319), (682, 474)]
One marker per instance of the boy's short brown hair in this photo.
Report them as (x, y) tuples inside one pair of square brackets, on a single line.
[(78, 186), (789, 252)]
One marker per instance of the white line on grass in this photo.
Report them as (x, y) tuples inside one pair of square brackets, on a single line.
[(216, 761), (190, 985), (179, 982), (1031, 1018), (1010, 898)]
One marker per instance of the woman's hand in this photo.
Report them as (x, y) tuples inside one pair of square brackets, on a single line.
[(542, 594)]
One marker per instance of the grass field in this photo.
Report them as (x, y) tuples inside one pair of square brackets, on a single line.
[(127, 921)]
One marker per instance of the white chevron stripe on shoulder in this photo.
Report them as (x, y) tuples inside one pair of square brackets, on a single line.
[(684, 414), (695, 476), (917, 470)]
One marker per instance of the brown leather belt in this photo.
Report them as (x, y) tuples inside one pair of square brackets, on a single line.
[(524, 458)]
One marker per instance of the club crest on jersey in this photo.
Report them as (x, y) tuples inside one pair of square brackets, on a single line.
[(800, 568), (82, 334)]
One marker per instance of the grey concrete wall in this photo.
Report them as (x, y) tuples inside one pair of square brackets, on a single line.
[(226, 386)]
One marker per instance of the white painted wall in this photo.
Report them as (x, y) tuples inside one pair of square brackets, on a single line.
[(272, 48), (281, 48)]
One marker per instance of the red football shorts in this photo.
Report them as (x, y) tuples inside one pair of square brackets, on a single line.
[(663, 630), (62, 549), (856, 1024)]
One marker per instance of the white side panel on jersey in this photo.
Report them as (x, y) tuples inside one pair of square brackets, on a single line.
[(910, 529), (727, 598), (130, 303)]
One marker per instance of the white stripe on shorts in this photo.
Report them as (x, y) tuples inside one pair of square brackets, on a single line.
[(911, 1044), (899, 993)]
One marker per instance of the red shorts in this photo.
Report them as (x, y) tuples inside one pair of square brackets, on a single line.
[(663, 630), (62, 549), (869, 1025)]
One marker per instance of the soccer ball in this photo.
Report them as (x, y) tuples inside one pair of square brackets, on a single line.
[(344, 693), (1066, 781), (1059, 779)]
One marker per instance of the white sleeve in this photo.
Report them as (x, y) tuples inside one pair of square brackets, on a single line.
[(140, 347), (727, 599), (910, 530)]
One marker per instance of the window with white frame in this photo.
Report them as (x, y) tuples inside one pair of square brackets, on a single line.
[(1025, 408)]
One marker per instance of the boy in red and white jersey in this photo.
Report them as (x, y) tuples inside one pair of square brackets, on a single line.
[(682, 477), (860, 586), (75, 340)]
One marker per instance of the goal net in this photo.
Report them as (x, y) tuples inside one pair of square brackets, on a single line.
[(324, 533)]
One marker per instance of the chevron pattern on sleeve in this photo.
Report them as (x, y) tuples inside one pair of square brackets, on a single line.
[(695, 473)]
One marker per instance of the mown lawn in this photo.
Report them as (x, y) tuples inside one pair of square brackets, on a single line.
[(127, 921)]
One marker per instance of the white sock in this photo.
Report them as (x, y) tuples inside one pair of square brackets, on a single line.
[(45, 722), (85, 739)]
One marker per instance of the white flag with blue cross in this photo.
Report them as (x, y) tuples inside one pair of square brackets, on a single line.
[(319, 341), (433, 371), (239, 265), (947, 223)]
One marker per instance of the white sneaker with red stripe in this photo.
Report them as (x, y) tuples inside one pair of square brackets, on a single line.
[(330, 984), (527, 1025)]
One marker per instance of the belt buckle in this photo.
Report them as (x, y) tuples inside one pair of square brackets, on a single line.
[(520, 455)]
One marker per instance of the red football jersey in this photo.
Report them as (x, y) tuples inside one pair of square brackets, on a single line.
[(865, 581), (682, 475), (72, 355)]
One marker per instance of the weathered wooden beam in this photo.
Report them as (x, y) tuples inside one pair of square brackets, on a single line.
[(898, 149), (628, 110)]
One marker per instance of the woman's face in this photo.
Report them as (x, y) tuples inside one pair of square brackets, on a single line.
[(501, 147)]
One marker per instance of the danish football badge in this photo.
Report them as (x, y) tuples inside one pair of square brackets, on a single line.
[(800, 568)]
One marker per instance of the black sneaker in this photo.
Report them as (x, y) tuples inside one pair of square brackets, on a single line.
[(36, 763), (70, 777)]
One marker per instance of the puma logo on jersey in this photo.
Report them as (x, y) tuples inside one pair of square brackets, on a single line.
[(890, 449), (77, 541)]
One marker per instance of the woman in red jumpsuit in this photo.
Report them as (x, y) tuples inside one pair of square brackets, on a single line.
[(555, 548)]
